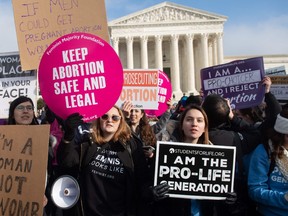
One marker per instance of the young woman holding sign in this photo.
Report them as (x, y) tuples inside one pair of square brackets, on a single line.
[(21, 112), (192, 128), (139, 124), (110, 165)]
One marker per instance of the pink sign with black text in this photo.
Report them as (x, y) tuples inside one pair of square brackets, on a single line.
[(82, 73)]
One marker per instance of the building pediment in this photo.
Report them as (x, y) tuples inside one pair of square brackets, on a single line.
[(167, 12)]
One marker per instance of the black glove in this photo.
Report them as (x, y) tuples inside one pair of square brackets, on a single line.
[(70, 124), (50, 116), (231, 198), (160, 191)]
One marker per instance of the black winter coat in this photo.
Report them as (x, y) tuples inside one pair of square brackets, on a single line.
[(74, 156)]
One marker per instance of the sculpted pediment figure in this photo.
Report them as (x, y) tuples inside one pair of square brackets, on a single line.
[(167, 12)]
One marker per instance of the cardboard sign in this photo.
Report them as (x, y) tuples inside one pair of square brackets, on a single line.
[(195, 171), (81, 73), (239, 81), (14, 82), (140, 87), (164, 94), (279, 87), (23, 163), (39, 23)]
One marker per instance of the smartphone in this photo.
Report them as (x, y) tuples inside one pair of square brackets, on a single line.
[(149, 148)]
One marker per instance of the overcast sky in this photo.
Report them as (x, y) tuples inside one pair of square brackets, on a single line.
[(254, 27)]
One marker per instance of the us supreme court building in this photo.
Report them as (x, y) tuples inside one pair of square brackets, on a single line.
[(176, 39)]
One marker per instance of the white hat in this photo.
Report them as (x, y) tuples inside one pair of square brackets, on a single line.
[(281, 124)]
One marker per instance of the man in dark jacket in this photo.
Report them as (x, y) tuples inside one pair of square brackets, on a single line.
[(229, 130)]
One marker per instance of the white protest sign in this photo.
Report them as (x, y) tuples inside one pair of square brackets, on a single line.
[(15, 82), (140, 87), (279, 87), (275, 71)]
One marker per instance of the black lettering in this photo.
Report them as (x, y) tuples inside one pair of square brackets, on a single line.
[(28, 146)]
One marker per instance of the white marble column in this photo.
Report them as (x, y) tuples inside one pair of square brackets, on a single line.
[(129, 44), (175, 72), (204, 47), (210, 52), (115, 43), (220, 47), (190, 64), (215, 53), (144, 52), (158, 52)]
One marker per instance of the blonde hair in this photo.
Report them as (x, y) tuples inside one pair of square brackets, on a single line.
[(123, 133)]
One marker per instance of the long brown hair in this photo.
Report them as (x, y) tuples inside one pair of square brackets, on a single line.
[(146, 132), (123, 134), (204, 138)]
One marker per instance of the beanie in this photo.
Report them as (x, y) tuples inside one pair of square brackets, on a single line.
[(281, 124), (194, 99), (183, 100)]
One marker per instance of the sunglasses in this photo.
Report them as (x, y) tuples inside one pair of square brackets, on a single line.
[(114, 118), (22, 108)]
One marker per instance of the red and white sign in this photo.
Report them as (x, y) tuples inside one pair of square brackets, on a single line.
[(82, 73), (141, 88)]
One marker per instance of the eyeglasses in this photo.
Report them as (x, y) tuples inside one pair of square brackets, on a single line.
[(114, 118), (29, 108)]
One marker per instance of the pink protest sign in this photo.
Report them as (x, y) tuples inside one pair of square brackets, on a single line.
[(80, 72), (164, 94)]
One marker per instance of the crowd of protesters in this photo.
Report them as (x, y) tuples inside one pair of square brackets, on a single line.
[(113, 157)]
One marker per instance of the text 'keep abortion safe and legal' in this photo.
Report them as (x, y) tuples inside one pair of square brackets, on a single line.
[(75, 70)]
